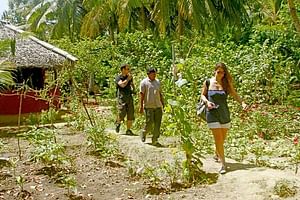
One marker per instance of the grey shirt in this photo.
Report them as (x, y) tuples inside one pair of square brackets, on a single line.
[(151, 91)]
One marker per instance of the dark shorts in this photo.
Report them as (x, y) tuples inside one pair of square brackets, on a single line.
[(125, 107)]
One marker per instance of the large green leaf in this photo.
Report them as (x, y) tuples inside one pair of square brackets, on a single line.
[(6, 79), (60, 18)]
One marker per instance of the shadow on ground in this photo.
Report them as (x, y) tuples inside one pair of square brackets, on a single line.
[(238, 166)]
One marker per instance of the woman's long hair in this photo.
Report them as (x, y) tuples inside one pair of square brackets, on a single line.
[(227, 79)]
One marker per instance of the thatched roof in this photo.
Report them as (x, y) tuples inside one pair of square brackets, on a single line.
[(32, 52)]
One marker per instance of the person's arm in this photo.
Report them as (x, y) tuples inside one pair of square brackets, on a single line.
[(161, 99), (123, 83), (236, 97), (142, 97), (204, 92), (133, 87)]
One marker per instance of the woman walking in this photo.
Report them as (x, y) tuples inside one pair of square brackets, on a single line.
[(218, 115)]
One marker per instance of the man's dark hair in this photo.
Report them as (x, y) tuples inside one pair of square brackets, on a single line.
[(151, 70), (123, 66)]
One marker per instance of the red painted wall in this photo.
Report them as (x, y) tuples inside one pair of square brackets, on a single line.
[(31, 102)]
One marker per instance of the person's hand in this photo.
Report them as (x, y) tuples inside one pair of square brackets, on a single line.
[(129, 77), (244, 106), (210, 105)]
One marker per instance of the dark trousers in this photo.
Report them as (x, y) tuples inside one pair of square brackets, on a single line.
[(153, 122)]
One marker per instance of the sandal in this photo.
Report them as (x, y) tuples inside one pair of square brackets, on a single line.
[(216, 158)]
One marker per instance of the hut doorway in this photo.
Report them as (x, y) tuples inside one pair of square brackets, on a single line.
[(34, 77)]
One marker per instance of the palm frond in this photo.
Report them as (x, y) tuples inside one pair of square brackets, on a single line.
[(276, 4), (100, 18), (199, 14), (161, 15), (38, 17), (125, 12), (36, 8), (6, 78), (43, 18)]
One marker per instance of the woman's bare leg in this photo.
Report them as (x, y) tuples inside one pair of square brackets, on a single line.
[(220, 136)]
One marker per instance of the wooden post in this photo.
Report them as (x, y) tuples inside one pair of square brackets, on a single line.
[(19, 121), (173, 70)]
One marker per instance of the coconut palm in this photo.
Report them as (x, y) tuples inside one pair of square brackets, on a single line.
[(135, 14), (59, 17), (167, 15), (101, 18), (65, 17), (270, 10), (112, 16), (294, 15), (200, 15)]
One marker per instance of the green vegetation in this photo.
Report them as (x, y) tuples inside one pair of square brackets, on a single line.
[(258, 40), (285, 188)]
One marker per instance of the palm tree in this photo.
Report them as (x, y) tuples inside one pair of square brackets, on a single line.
[(113, 16), (129, 12), (270, 11), (167, 15), (294, 15), (101, 17), (95, 17), (59, 17), (200, 15), (110, 16)]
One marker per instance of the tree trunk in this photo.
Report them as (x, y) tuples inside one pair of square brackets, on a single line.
[(91, 83), (180, 29), (294, 16), (143, 18), (112, 34)]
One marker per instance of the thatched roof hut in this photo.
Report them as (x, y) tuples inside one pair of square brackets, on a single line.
[(32, 52), (30, 58)]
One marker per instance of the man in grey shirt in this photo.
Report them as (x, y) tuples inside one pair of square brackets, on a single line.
[(151, 101)]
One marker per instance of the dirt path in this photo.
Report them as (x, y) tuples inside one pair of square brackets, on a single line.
[(242, 181), (99, 180)]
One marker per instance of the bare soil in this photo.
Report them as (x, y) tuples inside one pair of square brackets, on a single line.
[(111, 179)]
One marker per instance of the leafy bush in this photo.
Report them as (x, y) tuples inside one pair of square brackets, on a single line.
[(101, 143), (285, 188), (46, 149), (103, 59)]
